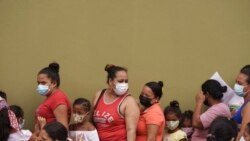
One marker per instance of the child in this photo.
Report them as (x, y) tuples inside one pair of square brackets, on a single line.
[(23, 135), (173, 116), (246, 134), (222, 129), (82, 129), (186, 123)]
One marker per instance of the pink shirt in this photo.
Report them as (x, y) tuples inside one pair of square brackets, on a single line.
[(207, 118)]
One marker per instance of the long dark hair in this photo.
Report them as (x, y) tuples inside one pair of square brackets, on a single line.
[(5, 127)]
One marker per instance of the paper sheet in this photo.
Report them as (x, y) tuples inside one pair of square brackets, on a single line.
[(230, 98)]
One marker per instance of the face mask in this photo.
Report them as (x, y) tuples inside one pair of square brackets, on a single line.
[(206, 102), (146, 102), (239, 90), (188, 130), (121, 88), (171, 125), (21, 125), (79, 118), (42, 89)]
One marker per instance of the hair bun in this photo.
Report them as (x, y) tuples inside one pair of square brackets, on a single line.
[(54, 66), (223, 89), (174, 103), (108, 67), (160, 83)]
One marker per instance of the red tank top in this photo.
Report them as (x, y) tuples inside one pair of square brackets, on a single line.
[(109, 123)]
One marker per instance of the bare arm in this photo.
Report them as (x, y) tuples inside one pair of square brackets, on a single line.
[(245, 120), (196, 121), (152, 131), (61, 114), (132, 114)]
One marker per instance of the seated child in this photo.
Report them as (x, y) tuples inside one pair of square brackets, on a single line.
[(82, 129), (172, 115)]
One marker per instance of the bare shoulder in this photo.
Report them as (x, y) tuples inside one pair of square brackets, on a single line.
[(97, 94), (130, 100)]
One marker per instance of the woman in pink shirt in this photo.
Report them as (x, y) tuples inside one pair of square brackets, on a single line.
[(211, 96)]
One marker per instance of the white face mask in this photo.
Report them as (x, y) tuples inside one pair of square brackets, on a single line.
[(121, 88), (42, 89), (171, 125), (239, 90), (79, 118), (21, 125)]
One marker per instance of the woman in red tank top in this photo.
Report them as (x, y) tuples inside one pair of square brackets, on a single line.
[(116, 113)]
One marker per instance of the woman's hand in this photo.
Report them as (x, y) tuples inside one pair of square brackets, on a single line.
[(41, 121), (200, 98)]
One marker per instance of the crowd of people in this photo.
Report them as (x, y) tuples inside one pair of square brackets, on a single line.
[(115, 115)]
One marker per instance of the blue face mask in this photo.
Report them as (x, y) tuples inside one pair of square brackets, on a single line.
[(42, 89), (239, 90)]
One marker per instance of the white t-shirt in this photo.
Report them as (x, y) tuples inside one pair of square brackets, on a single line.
[(84, 135), (23, 135)]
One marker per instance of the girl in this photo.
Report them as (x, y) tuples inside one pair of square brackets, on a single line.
[(82, 129), (173, 116), (186, 123)]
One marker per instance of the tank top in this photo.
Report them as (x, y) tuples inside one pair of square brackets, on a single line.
[(238, 117), (110, 124)]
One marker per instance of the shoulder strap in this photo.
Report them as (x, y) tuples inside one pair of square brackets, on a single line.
[(100, 96)]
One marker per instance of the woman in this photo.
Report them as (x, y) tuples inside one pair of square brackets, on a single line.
[(151, 122), (242, 89), (82, 129), (53, 131), (56, 106), (115, 112), (211, 96)]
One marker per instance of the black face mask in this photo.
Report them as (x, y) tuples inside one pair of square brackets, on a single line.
[(206, 102), (145, 101)]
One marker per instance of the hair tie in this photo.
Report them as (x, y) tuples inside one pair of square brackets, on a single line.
[(211, 135)]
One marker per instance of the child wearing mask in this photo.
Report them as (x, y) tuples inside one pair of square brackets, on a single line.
[(82, 129), (186, 123), (172, 115), (22, 134)]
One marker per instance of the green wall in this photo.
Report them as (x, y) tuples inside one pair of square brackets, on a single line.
[(181, 42)]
